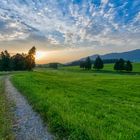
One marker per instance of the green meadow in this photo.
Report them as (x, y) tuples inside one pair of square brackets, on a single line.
[(85, 105)]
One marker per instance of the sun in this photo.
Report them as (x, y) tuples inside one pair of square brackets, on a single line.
[(39, 55)]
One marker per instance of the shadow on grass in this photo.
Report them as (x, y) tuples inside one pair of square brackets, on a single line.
[(102, 71), (116, 72), (76, 70)]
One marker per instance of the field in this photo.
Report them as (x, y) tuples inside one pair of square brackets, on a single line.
[(81, 105), (108, 68), (5, 116)]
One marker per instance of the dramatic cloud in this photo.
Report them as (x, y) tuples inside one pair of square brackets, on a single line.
[(72, 22)]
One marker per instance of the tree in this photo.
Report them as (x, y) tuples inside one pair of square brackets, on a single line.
[(30, 59), (82, 64), (5, 61), (98, 64), (119, 65), (128, 66), (18, 62), (116, 66), (88, 63)]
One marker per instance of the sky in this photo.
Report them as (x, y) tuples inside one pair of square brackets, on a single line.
[(65, 30)]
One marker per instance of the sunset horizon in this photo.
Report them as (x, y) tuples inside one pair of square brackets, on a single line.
[(60, 56), (68, 30), (69, 69)]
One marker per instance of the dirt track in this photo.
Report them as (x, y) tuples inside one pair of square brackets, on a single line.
[(28, 124)]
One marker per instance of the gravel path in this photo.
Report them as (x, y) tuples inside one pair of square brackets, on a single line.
[(28, 124)]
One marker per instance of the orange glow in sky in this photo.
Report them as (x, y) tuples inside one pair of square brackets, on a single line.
[(40, 55)]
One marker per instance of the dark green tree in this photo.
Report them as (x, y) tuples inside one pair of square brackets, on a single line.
[(128, 66), (30, 59), (98, 64), (18, 62), (116, 66), (82, 64), (88, 63), (5, 61), (119, 65)]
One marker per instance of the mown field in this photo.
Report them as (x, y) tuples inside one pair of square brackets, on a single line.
[(5, 116), (84, 106)]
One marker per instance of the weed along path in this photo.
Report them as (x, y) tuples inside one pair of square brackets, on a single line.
[(28, 124)]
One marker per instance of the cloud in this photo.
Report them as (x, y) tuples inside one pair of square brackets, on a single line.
[(53, 41), (70, 23)]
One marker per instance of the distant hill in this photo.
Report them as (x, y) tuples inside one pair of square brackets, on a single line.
[(133, 56), (130, 55)]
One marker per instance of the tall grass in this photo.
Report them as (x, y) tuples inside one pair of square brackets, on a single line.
[(6, 132), (85, 106)]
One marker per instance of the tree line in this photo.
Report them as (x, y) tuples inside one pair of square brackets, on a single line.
[(123, 65), (78, 62), (98, 64), (17, 62)]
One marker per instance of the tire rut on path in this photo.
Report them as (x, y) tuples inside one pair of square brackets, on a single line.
[(28, 124)]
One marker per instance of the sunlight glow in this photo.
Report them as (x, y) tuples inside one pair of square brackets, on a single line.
[(40, 55)]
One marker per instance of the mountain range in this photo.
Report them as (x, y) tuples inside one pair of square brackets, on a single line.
[(133, 56)]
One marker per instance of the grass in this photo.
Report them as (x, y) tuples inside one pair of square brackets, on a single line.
[(84, 106), (5, 116)]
